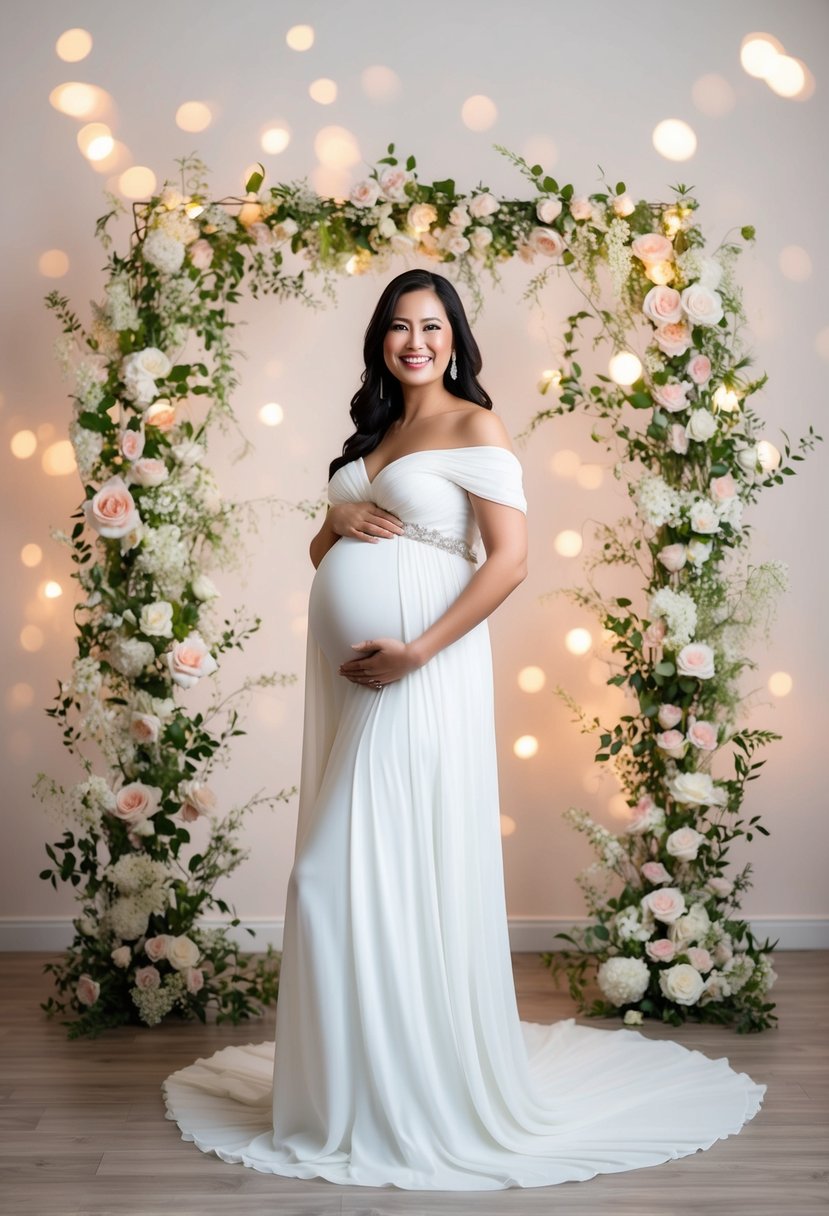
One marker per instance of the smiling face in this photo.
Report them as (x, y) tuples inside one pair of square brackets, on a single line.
[(418, 344)]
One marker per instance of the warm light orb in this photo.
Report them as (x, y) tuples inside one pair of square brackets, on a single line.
[(726, 399), (589, 476), (713, 95), (479, 112), (271, 414), (31, 555), (51, 590), (565, 463), (95, 141), (578, 641), (300, 37), (768, 456), (531, 679), (380, 83), (795, 263), (550, 381), (137, 182), (53, 264), (624, 368), (323, 91), (336, 148), (193, 116), (525, 746), (787, 76), (758, 54), (674, 139), (23, 444), (780, 684), (73, 45), (568, 543), (618, 807), (508, 825), (59, 459), (31, 638), (275, 140), (79, 100), (20, 696)]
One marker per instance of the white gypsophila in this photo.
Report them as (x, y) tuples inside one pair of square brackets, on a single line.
[(87, 446), (619, 257), (739, 970), (89, 801), (629, 927), (171, 502), (162, 251), (623, 980), (164, 556), (128, 918), (216, 218), (657, 503), (130, 656), (121, 309), (730, 511), (135, 872), (90, 377), (85, 680), (653, 361), (178, 225), (764, 974), (679, 612), (154, 1003)]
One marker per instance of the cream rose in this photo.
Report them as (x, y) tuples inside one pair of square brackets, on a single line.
[(673, 397), (684, 843), (87, 990), (623, 205), (147, 977), (720, 886), (672, 557), (421, 216), (459, 217), (112, 511), (204, 588), (131, 444), (482, 205), (701, 305), (547, 241), (673, 339), (702, 734), (662, 305), (696, 789), (581, 208), (392, 184), (161, 414), (135, 802), (681, 983), (145, 728), (722, 488), (699, 551), (182, 953), (669, 716), (678, 439), (157, 619), (480, 237), (701, 425), (696, 659), (665, 904), (672, 742), (652, 248), (121, 956), (548, 210), (197, 799), (364, 193), (703, 517), (190, 660)]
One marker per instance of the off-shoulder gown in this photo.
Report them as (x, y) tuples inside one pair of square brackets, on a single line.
[(400, 1059)]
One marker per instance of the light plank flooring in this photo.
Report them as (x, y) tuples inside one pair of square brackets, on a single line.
[(83, 1127)]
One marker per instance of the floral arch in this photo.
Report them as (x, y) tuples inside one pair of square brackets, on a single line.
[(144, 843)]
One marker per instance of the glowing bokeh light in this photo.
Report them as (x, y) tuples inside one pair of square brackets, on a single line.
[(674, 139), (73, 45), (80, 100), (508, 825), (95, 141), (787, 76), (323, 91), (51, 590), (795, 263), (53, 264), (31, 638), (479, 112), (193, 116), (758, 54), (20, 696), (531, 679), (565, 463), (780, 684), (525, 746), (271, 414), (137, 182), (568, 543), (589, 476), (768, 456), (300, 37), (726, 399), (117, 159), (624, 368), (275, 139), (59, 459), (713, 95), (31, 555), (380, 83), (23, 444), (578, 641), (336, 148)]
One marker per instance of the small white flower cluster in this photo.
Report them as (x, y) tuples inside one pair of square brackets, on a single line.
[(86, 678), (679, 612), (623, 980), (90, 377), (619, 257), (120, 307), (87, 446), (154, 1003), (629, 926), (135, 872), (656, 502), (129, 656), (164, 556), (603, 841), (88, 802), (215, 219)]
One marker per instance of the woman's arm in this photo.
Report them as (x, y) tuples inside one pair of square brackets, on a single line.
[(324, 540)]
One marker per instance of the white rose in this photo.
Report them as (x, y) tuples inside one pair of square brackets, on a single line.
[(157, 619), (581, 208), (701, 425), (672, 557), (188, 453), (148, 472), (482, 205), (696, 659), (684, 843), (702, 306), (121, 956), (699, 551), (480, 237), (364, 193), (393, 181), (690, 928), (696, 789), (747, 458), (204, 588), (548, 210), (459, 217), (421, 216), (152, 361), (681, 983), (182, 953), (720, 886), (704, 517), (623, 205), (546, 241)]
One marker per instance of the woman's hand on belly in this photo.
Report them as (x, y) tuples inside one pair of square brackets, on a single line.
[(364, 521), (384, 661)]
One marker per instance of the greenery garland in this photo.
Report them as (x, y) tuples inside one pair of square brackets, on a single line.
[(147, 624)]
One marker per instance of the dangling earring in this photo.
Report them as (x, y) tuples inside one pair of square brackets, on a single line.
[(381, 388), (453, 367)]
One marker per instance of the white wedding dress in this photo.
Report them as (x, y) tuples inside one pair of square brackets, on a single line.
[(400, 1059)]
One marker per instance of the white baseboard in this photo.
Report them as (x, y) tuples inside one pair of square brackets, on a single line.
[(528, 934)]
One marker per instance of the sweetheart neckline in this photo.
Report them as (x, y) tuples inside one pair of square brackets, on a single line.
[(422, 452)]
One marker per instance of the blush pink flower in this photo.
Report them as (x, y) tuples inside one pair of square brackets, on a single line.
[(190, 660), (673, 339), (666, 904), (87, 990), (147, 977), (655, 872), (703, 734), (699, 369), (669, 715), (131, 444), (652, 248), (112, 511), (662, 950), (662, 305), (723, 487)]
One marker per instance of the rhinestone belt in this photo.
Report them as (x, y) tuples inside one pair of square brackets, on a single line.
[(453, 544)]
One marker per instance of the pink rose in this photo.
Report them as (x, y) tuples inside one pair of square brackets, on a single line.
[(131, 444), (721, 886), (189, 660), (662, 950), (87, 990), (145, 728), (483, 205), (722, 953), (702, 734), (655, 872), (672, 557), (197, 800), (548, 209), (673, 397), (392, 184), (702, 305), (364, 193), (581, 208), (678, 439), (201, 253), (666, 904), (161, 414), (699, 369), (155, 948), (148, 471), (652, 248), (699, 958), (135, 802), (655, 632), (673, 339), (696, 659), (722, 487), (121, 956), (672, 742), (684, 844), (112, 511), (194, 979), (147, 977), (546, 241), (669, 715), (623, 205), (646, 814), (662, 304)]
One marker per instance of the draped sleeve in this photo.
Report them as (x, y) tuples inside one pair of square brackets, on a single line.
[(490, 472)]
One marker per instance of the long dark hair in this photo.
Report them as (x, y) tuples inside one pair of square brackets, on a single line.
[(372, 414)]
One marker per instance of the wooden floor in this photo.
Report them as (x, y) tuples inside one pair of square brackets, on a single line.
[(83, 1127)]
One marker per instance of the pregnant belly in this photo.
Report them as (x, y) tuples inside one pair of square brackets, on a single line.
[(355, 596)]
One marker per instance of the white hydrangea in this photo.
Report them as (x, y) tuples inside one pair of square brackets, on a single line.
[(128, 918), (679, 612), (215, 218), (87, 446), (730, 511), (135, 872), (122, 311), (130, 656), (623, 980), (739, 970), (89, 801), (619, 257), (90, 377), (656, 501), (162, 251), (165, 557), (178, 225)]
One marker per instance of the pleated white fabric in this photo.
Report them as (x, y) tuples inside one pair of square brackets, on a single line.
[(400, 1059)]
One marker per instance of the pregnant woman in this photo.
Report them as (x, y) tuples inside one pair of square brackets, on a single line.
[(400, 1059)]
